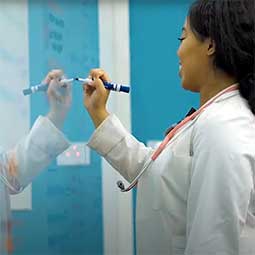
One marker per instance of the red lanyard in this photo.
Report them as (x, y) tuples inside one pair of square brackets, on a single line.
[(189, 118)]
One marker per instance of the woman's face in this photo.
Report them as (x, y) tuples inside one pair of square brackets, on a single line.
[(194, 59)]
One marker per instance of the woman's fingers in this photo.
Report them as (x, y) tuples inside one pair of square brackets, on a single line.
[(99, 73), (52, 75)]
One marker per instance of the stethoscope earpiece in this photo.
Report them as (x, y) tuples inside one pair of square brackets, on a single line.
[(121, 185)]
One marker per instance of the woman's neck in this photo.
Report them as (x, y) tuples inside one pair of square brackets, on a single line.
[(212, 88)]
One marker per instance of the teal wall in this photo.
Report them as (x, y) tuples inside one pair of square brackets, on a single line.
[(158, 99), (67, 201)]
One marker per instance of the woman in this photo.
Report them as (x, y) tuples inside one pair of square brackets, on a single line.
[(43, 143), (197, 196)]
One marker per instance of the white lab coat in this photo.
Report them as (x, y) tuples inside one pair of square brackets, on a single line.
[(43, 143), (198, 197)]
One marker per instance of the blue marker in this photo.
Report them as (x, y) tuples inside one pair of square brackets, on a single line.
[(108, 85), (41, 87)]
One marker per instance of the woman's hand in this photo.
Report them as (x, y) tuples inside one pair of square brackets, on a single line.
[(96, 96), (60, 97)]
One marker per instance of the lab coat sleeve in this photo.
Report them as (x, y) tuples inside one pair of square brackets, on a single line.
[(220, 188), (119, 147), (32, 154)]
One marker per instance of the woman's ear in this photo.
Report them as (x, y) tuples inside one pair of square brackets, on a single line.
[(210, 47)]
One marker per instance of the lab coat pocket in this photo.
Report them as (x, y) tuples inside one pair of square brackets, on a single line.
[(172, 183)]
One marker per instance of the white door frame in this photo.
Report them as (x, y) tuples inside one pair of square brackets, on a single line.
[(115, 59)]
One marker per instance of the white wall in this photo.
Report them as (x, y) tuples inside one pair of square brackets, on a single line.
[(14, 73), (114, 58)]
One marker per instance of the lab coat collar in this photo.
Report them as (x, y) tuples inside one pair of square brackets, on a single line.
[(221, 98), (226, 96)]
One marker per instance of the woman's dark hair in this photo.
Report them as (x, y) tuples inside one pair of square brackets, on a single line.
[(230, 25)]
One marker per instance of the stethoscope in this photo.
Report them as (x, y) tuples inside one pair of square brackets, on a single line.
[(173, 134)]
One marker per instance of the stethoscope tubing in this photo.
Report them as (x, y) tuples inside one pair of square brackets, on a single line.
[(173, 135)]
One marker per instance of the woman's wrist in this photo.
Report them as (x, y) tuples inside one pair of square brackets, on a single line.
[(57, 118), (98, 116)]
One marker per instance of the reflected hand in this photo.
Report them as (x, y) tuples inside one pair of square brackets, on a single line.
[(60, 97)]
